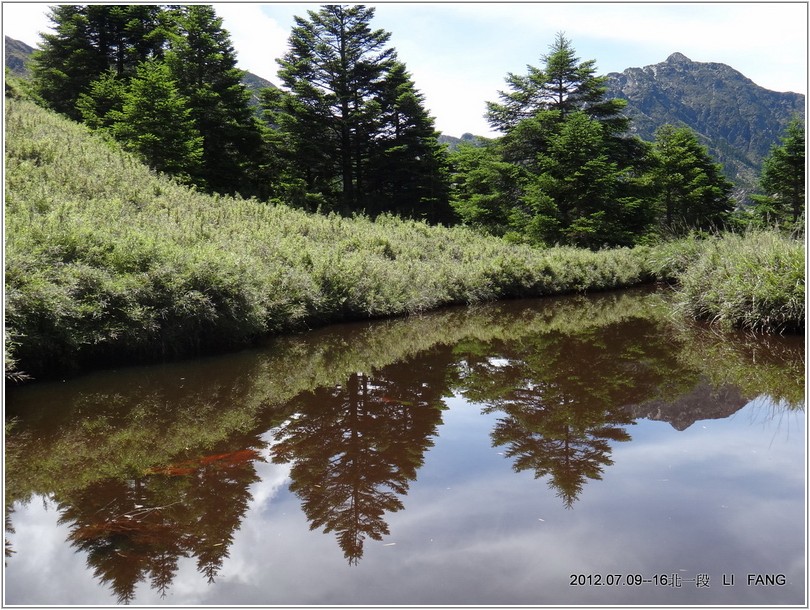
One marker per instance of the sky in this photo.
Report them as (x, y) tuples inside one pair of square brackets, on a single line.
[(459, 53)]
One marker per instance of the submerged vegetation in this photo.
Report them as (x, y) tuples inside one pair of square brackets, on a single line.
[(107, 261)]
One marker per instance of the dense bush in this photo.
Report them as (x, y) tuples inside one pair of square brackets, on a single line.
[(104, 259)]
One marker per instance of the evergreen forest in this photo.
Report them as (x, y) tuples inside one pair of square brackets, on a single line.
[(185, 217)]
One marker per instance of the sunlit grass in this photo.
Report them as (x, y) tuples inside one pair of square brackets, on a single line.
[(107, 260), (753, 281)]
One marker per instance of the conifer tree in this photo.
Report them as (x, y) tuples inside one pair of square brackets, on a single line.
[(87, 41), (67, 61), (692, 192), (296, 138), (408, 172), (484, 189), (128, 34), (577, 169), (334, 70), (783, 178), (155, 122), (202, 61), (100, 106), (563, 85), (351, 115)]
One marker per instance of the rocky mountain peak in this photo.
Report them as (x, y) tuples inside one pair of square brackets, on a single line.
[(678, 58), (734, 117)]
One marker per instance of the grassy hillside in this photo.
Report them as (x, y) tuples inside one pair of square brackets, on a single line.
[(105, 261)]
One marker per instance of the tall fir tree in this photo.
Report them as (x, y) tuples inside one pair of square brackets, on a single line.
[(578, 172), (407, 168), (156, 123), (350, 114), (89, 40), (67, 61), (202, 61), (305, 158), (563, 85), (100, 106), (129, 34), (691, 191), (484, 189), (333, 71)]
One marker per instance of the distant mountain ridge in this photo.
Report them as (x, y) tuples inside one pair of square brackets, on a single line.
[(737, 120), (703, 401)]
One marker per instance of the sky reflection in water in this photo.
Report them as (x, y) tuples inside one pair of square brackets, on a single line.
[(440, 435)]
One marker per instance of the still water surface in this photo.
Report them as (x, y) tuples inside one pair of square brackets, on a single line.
[(514, 453)]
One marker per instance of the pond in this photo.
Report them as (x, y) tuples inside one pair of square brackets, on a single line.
[(575, 450)]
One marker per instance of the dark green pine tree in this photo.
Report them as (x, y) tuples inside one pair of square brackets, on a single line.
[(484, 188), (582, 192), (203, 64), (577, 185), (563, 85), (156, 123), (295, 138), (333, 71), (128, 34), (690, 188), (408, 170), (351, 121), (577, 170), (783, 179), (100, 106), (90, 40), (67, 61)]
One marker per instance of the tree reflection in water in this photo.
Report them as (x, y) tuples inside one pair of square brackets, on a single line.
[(355, 448), (138, 529), (567, 396), (563, 441), (565, 379)]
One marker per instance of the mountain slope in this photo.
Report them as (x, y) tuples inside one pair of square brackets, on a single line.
[(255, 84), (737, 119), (17, 55)]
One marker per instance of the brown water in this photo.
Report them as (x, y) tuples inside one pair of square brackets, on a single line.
[(542, 452)]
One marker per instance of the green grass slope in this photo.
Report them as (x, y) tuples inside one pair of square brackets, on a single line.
[(106, 261)]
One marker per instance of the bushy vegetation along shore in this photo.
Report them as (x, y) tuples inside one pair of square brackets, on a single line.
[(754, 281), (105, 260)]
